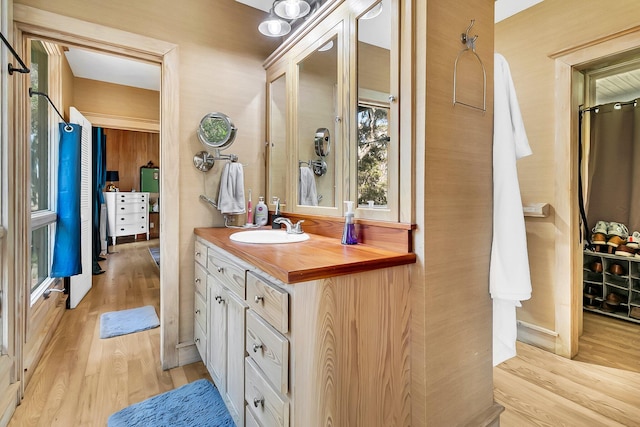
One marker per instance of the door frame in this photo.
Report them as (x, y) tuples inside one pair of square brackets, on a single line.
[(569, 93), (32, 22)]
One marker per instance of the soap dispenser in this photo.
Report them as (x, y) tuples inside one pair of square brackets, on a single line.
[(262, 212), (349, 236)]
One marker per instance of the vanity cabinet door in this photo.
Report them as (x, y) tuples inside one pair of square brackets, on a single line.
[(217, 339), (236, 309)]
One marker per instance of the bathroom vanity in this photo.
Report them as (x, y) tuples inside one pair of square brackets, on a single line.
[(306, 334)]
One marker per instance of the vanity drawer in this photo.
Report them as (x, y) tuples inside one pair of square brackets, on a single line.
[(268, 301), (232, 276), (200, 280), (200, 311), (265, 404), (200, 253), (269, 350), (200, 339), (249, 419)]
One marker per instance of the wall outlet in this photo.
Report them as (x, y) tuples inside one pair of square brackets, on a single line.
[(152, 225)]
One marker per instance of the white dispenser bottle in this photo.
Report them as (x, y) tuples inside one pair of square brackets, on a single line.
[(262, 212)]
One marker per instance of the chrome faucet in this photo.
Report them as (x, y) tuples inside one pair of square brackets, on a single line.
[(291, 228)]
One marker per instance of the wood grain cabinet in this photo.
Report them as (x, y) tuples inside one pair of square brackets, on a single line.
[(127, 214), (332, 351)]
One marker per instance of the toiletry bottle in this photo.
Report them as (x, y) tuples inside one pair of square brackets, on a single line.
[(249, 212), (275, 215), (349, 232), (262, 213)]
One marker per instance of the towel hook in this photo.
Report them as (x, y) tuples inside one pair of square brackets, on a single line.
[(470, 43)]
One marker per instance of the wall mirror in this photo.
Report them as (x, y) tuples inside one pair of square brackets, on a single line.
[(277, 139), (216, 131), (376, 148), (318, 106)]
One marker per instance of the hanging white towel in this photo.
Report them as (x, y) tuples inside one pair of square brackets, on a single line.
[(307, 194), (509, 275), (231, 195)]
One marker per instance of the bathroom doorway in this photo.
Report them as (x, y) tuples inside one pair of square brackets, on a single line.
[(35, 23), (571, 66)]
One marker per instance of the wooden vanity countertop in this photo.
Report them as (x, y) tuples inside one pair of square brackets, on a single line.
[(317, 258)]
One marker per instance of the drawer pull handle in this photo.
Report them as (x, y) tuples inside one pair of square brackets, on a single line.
[(258, 299), (219, 299), (197, 340), (198, 311), (219, 269), (256, 347), (198, 280), (258, 401), (198, 253)]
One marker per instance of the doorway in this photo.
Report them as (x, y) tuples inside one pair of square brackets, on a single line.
[(35, 23), (570, 66)]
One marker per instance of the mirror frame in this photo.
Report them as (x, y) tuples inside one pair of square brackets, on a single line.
[(273, 74)]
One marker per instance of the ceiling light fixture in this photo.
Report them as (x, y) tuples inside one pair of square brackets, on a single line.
[(274, 26), (291, 9), (373, 12)]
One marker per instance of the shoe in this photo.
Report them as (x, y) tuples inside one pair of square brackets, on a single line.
[(617, 234), (633, 241), (599, 236), (625, 250)]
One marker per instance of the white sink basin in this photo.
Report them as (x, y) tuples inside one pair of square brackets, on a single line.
[(267, 236)]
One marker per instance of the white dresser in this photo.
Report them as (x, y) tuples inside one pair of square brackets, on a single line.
[(127, 214)]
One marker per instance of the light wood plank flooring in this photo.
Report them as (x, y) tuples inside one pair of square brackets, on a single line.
[(601, 387), (83, 379)]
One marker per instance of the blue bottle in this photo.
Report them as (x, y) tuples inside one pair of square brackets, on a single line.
[(349, 236)]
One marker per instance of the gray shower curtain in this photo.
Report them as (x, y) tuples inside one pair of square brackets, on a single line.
[(613, 187)]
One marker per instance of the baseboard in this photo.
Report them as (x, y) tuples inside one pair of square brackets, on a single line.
[(489, 418), (188, 353), (537, 336), (8, 403)]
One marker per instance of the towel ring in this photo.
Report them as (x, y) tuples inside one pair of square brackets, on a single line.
[(470, 42)]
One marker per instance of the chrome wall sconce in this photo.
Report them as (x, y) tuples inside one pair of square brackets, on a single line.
[(278, 24)]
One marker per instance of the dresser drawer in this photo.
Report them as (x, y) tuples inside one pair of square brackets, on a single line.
[(200, 253), (268, 301), (127, 229), (126, 208), (131, 218), (200, 339), (132, 197), (200, 311), (200, 280), (269, 350), (229, 274), (265, 404)]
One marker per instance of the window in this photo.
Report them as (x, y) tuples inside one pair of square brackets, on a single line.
[(42, 155), (373, 155)]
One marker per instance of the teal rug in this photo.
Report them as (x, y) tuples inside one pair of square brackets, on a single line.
[(115, 323), (197, 404)]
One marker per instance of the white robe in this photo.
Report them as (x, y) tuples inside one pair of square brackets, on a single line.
[(509, 275)]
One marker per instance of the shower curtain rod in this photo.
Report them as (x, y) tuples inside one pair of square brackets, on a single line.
[(11, 68), (597, 107), (33, 92)]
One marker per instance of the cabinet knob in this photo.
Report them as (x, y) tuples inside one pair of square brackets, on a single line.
[(197, 340), (256, 347), (198, 311), (219, 299), (220, 269), (198, 253), (258, 401), (392, 98), (198, 280), (258, 299)]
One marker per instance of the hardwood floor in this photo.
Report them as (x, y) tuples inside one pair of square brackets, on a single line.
[(600, 387), (83, 379)]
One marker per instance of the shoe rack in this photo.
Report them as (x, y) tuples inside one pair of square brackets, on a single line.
[(611, 285)]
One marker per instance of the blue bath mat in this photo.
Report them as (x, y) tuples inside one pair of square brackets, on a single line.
[(197, 404), (155, 254), (115, 323)]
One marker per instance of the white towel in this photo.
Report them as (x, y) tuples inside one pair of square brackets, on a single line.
[(231, 195), (307, 194), (509, 275)]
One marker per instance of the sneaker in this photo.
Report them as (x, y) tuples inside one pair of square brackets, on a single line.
[(633, 241), (625, 250), (601, 227), (599, 236), (617, 233)]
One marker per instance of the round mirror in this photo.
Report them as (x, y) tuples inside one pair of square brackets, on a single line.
[(322, 142), (216, 131)]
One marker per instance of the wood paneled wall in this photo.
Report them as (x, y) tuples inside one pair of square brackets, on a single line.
[(127, 151)]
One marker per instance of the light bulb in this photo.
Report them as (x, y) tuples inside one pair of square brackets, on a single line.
[(293, 8), (274, 26)]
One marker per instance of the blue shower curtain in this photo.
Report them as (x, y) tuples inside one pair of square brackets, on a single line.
[(67, 247)]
